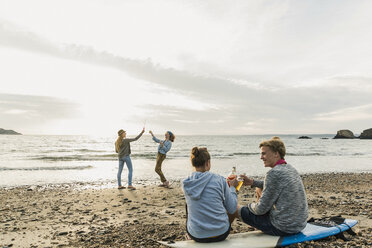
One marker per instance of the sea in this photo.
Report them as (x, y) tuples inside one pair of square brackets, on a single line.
[(51, 160)]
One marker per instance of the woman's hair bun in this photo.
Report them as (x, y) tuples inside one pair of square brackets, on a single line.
[(199, 156), (195, 151), (275, 138)]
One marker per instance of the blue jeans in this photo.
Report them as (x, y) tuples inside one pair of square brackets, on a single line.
[(128, 161), (261, 222)]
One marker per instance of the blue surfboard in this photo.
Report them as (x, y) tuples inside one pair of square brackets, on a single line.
[(314, 232), (258, 239)]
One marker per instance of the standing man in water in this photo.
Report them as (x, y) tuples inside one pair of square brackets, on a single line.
[(122, 147), (281, 207)]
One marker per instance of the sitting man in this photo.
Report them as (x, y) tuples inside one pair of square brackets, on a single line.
[(281, 208)]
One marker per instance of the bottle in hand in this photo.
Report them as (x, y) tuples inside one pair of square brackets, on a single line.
[(232, 176)]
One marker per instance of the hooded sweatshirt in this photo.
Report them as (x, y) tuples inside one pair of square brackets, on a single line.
[(208, 197)]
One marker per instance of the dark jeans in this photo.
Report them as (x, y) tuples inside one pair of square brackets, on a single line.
[(218, 238), (261, 222)]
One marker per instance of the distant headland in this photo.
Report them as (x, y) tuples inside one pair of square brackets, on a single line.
[(11, 132), (347, 134)]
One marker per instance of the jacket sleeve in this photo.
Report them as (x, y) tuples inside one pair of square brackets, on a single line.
[(134, 139), (230, 197), (258, 184), (269, 196), (155, 139)]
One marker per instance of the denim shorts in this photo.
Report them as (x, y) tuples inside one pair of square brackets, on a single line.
[(261, 222)]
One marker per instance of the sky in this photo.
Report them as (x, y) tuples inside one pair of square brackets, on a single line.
[(194, 67)]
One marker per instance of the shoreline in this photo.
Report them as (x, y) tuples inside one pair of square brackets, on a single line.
[(92, 215), (109, 184)]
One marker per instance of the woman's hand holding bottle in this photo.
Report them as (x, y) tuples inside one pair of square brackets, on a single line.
[(233, 182)]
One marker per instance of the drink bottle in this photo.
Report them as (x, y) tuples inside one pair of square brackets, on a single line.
[(232, 176)]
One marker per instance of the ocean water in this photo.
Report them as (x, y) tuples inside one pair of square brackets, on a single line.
[(35, 160)]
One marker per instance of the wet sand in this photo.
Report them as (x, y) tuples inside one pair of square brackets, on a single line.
[(74, 215)]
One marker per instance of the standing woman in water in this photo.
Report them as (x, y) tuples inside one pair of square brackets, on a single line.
[(122, 147), (163, 148)]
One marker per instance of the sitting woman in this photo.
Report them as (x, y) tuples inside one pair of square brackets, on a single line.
[(211, 203)]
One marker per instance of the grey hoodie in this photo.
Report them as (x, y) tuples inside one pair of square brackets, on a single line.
[(208, 197)]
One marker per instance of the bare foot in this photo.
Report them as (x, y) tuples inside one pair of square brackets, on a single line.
[(131, 187), (121, 187)]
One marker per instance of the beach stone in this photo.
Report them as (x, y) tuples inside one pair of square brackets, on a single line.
[(344, 134), (62, 233), (366, 134)]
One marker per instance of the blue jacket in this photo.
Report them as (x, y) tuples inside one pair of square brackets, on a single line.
[(165, 148), (208, 197)]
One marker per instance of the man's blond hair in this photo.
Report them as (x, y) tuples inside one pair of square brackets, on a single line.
[(275, 144)]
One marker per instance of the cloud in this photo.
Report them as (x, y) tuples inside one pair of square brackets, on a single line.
[(23, 111), (14, 37), (363, 112), (235, 104)]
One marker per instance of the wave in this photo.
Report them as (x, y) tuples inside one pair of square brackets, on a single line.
[(306, 154), (245, 153), (76, 150), (46, 168), (152, 156), (105, 157)]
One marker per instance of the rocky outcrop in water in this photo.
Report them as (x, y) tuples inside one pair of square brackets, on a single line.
[(304, 137), (344, 134), (366, 134), (3, 131)]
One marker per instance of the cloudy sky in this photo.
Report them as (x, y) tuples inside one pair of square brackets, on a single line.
[(194, 67)]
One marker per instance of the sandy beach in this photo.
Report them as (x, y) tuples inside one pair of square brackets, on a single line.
[(80, 215)]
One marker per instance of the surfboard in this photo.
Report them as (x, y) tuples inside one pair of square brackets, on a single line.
[(257, 239)]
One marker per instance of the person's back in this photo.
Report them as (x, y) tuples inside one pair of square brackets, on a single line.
[(208, 197), (211, 203)]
